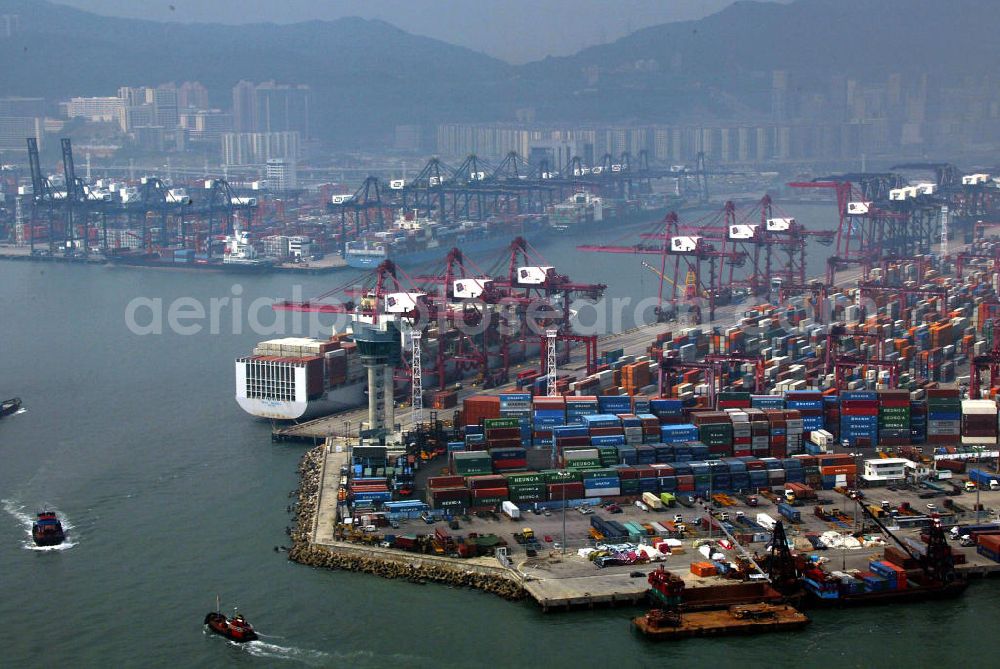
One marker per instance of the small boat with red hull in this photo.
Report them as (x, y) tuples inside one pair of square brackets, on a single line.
[(47, 530), (235, 629)]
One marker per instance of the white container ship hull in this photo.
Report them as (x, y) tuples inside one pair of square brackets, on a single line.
[(333, 401), (296, 378)]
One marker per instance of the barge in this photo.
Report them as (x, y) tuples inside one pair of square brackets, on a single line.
[(658, 624)]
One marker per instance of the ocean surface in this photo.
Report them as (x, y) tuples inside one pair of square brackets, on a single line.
[(173, 495)]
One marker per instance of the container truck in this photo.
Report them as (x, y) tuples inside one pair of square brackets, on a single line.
[(652, 501), (510, 510), (790, 513), (983, 479)]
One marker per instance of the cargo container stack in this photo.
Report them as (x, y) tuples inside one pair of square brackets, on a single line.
[(526, 488), (549, 412), (979, 423), (738, 474), (944, 416), (775, 471), (715, 430), (487, 492), (635, 377), (760, 434), (721, 477), (918, 422), (478, 407), (607, 449), (757, 473), (614, 404), (471, 463), (372, 489), (988, 545), (447, 492), (837, 471), (578, 459), (702, 477), (570, 437), (859, 418), (794, 432), (742, 432), (893, 417), (628, 478), (509, 459), (579, 406), (475, 439), (831, 414), (809, 403), (650, 427), (733, 400), (518, 405), (778, 428), (601, 483), (632, 428), (794, 471), (667, 411), (502, 433), (893, 575)]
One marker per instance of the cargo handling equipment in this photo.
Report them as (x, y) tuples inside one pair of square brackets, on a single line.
[(939, 579)]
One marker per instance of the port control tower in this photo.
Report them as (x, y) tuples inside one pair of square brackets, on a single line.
[(379, 345)]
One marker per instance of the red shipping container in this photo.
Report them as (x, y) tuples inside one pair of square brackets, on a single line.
[(507, 465), (484, 493), (445, 481), (488, 481)]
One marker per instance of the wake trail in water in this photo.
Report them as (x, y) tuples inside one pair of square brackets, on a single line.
[(21, 515), (273, 651)]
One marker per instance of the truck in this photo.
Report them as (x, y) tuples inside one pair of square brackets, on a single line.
[(798, 492), (970, 486), (652, 501), (510, 510), (790, 513), (984, 479)]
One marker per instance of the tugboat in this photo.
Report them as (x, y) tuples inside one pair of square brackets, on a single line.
[(47, 530), (7, 407), (235, 629)]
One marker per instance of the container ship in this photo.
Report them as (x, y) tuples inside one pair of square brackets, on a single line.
[(585, 210), (414, 239), (239, 255), (300, 377)]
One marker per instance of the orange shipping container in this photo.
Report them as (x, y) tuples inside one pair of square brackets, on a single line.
[(703, 569)]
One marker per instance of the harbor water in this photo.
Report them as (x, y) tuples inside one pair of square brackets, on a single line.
[(173, 495)]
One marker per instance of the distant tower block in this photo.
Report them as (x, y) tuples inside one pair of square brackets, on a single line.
[(379, 347)]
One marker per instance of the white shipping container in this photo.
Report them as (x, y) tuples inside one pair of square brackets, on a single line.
[(510, 510)]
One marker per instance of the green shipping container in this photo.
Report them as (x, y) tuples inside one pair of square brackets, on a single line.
[(489, 423), (629, 486), (601, 474), (560, 476), (518, 479)]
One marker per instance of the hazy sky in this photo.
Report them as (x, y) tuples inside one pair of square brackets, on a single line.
[(514, 30)]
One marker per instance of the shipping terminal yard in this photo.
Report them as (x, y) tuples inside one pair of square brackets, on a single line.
[(768, 443), (443, 334), (763, 441)]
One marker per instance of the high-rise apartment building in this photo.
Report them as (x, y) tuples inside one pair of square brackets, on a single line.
[(272, 107)]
